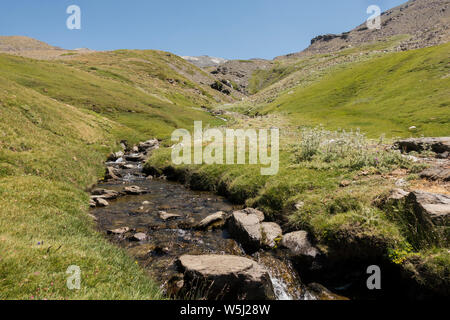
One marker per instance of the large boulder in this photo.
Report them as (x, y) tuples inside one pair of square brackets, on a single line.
[(438, 145), (245, 227), (225, 277)]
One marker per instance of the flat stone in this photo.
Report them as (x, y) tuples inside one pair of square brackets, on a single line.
[(100, 202), (118, 231), (168, 216), (139, 236), (135, 157), (227, 276), (105, 194), (398, 194), (134, 190), (214, 220)]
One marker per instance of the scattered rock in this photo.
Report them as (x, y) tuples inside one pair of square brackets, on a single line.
[(139, 236), (297, 242), (444, 155), (111, 173), (438, 145), (271, 234), (118, 231), (226, 277), (345, 183), (92, 203), (216, 220), (168, 216), (401, 183), (134, 190), (148, 145), (105, 194), (436, 173), (398, 194), (135, 157), (100, 202), (115, 156)]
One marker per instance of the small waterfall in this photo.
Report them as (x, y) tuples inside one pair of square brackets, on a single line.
[(280, 288)]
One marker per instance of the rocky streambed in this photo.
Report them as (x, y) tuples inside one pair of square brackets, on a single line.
[(197, 244)]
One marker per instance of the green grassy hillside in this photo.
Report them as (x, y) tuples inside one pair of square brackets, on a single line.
[(385, 95), (57, 125)]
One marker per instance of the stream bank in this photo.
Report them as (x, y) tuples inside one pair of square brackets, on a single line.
[(185, 240)]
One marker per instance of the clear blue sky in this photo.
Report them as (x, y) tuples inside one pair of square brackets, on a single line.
[(233, 29)]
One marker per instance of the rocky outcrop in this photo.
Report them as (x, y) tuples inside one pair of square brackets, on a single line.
[(433, 206), (438, 145), (436, 173), (226, 277)]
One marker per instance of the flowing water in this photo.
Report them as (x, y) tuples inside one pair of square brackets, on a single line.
[(167, 240)]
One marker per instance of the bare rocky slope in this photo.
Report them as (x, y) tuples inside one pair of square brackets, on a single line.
[(423, 22)]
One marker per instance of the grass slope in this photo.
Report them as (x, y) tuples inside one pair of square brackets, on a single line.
[(385, 95), (57, 125)]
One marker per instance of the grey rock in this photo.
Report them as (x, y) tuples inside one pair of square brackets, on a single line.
[(168, 216), (139, 236), (246, 228), (119, 231), (227, 277), (270, 232), (215, 220), (134, 190), (432, 205), (299, 245), (438, 145), (436, 173)]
